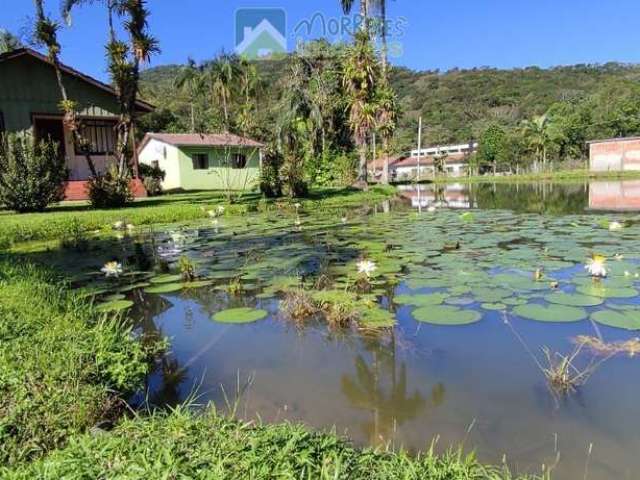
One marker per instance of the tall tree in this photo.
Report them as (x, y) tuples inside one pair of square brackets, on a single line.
[(361, 75), (8, 41), (125, 58), (190, 79), (386, 121), (222, 77), (46, 35), (537, 132)]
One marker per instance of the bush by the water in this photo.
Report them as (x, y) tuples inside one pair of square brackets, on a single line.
[(152, 178), (270, 181), (110, 189), (32, 174), (61, 363), (182, 444)]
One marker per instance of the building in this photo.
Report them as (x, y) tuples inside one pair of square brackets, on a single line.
[(203, 161), (454, 158), (30, 102), (614, 155)]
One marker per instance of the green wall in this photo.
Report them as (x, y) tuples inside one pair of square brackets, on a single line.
[(27, 86), (218, 176)]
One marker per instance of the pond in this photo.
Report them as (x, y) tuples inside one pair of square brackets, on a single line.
[(450, 332)]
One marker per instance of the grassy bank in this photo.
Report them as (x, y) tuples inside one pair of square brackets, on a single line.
[(61, 364), (558, 176), (61, 367), (76, 218), (185, 445)]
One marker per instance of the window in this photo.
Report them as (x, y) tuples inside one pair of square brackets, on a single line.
[(238, 161), (100, 137), (200, 161)]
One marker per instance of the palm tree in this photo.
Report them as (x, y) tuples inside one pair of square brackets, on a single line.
[(386, 121), (538, 134), (360, 78), (222, 79), (190, 79), (367, 7)]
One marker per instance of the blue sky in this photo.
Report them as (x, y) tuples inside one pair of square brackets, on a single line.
[(433, 34)]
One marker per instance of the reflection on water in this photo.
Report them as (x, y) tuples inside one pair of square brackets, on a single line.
[(620, 195), (564, 198), (474, 385)]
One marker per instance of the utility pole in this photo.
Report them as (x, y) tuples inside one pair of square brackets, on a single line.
[(418, 173)]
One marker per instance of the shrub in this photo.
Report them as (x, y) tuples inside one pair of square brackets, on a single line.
[(152, 178), (110, 190), (270, 182), (32, 174)]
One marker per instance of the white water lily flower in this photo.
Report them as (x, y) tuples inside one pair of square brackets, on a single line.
[(367, 267), (220, 209), (112, 269), (297, 205), (178, 238), (627, 273), (211, 213), (344, 220), (431, 209), (118, 225), (130, 227), (596, 266), (613, 226)]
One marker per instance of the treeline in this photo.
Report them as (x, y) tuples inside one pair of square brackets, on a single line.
[(524, 118)]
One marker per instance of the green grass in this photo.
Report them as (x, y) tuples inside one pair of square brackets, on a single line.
[(182, 444), (557, 176), (77, 217), (61, 364)]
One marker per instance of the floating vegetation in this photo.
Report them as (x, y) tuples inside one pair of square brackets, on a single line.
[(164, 288), (446, 315), (240, 315), (115, 306), (627, 320), (600, 347), (187, 269), (550, 313)]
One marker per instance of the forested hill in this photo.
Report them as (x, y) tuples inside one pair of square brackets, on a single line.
[(456, 105)]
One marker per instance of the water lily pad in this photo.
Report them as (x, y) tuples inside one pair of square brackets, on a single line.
[(446, 315), (627, 319), (420, 300), (377, 318), (165, 288), (166, 278), (240, 315), (550, 313), (574, 300), (114, 306), (599, 290), (494, 306)]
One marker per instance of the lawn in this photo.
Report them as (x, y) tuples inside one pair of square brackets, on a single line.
[(76, 218)]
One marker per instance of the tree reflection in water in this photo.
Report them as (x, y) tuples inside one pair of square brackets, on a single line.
[(380, 387)]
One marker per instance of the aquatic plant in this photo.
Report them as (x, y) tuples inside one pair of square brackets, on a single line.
[(235, 287), (562, 372), (366, 267), (112, 269), (187, 269), (596, 266), (298, 305), (614, 226), (240, 315)]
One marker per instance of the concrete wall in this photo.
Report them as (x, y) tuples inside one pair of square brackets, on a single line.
[(618, 155), (167, 157)]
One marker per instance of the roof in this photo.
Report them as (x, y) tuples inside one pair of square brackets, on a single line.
[(378, 163), (431, 160), (201, 140), (614, 140), (21, 52)]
